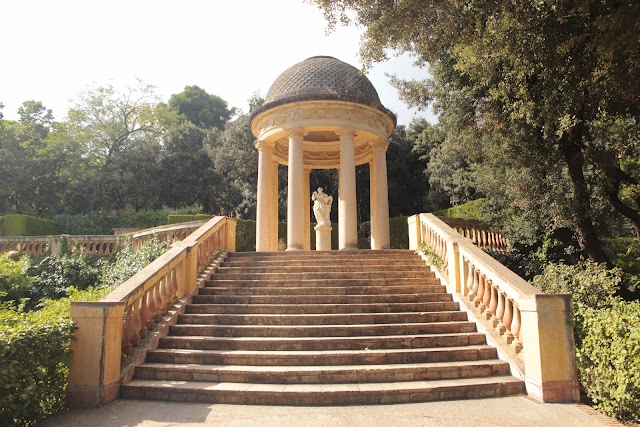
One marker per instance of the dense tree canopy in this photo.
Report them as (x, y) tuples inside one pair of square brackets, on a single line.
[(200, 108), (542, 86)]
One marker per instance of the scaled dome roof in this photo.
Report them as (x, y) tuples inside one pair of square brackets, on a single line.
[(322, 78)]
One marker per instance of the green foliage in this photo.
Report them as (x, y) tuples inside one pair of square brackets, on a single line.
[(202, 217), (35, 354), (431, 256), (201, 108), (25, 225), (398, 229), (14, 284), (177, 219), (469, 210), (609, 359), (128, 262), (52, 277), (245, 235)]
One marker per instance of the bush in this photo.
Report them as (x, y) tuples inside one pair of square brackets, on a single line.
[(607, 335), (177, 219), (14, 284), (609, 359), (25, 225), (245, 235), (128, 262), (203, 217), (469, 210), (52, 276), (35, 354)]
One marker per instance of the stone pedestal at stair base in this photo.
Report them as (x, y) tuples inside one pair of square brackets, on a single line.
[(323, 237)]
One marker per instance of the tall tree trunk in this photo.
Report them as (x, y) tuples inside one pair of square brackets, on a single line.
[(582, 205)]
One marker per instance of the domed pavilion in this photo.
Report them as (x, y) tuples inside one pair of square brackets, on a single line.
[(321, 113)]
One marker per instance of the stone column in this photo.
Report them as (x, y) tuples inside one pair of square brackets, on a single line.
[(295, 214), (263, 209), (306, 201), (274, 207), (379, 196), (347, 208)]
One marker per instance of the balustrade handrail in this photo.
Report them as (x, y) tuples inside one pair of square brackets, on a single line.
[(533, 329), (119, 322), (167, 228)]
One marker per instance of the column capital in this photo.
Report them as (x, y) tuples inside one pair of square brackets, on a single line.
[(296, 132), (265, 145), (379, 143), (345, 132)]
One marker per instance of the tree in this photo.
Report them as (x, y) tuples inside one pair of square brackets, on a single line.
[(543, 77), (200, 108)]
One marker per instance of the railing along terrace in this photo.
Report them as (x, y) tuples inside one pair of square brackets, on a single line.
[(39, 246), (531, 329), (115, 326), (166, 233), (480, 234)]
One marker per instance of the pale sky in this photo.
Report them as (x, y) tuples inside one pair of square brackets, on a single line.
[(52, 50)]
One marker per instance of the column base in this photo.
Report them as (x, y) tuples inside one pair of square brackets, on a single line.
[(293, 248), (350, 248), (323, 237)]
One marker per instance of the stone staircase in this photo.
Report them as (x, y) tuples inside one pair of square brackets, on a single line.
[(322, 328)]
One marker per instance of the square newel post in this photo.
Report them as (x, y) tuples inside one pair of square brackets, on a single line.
[(230, 244), (94, 372), (413, 222), (548, 348)]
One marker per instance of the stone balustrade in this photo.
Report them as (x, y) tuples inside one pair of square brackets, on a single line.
[(117, 324), (168, 233), (531, 330), (480, 234)]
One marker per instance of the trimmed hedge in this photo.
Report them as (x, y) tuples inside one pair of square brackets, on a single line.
[(469, 210), (398, 230), (25, 225), (177, 219), (203, 217)]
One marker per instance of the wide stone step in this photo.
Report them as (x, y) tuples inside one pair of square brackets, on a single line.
[(203, 300), (254, 288), (303, 262), (323, 299), (346, 283), (322, 357), (197, 314), (328, 276), (322, 374), (323, 271), (321, 343), (323, 394), (362, 254), (321, 330)]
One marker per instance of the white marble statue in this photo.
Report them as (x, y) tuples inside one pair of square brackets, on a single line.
[(322, 207)]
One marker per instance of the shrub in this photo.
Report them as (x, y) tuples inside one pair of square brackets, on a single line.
[(14, 284), (35, 354), (177, 219), (202, 217), (52, 276), (609, 359), (128, 262), (469, 210), (25, 225), (245, 235)]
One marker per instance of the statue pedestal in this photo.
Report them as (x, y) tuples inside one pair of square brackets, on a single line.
[(323, 237)]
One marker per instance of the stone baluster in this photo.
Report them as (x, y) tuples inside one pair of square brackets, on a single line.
[(146, 315), (515, 328), (507, 319), (493, 303), (480, 295), (500, 313), (137, 321), (486, 296), (473, 297), (157, 302), (470, 274), (174, 286), (129, 331)]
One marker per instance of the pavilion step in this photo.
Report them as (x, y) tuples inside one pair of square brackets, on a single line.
[(203, 301), (323, 299), (322, 358), (256, 288), (321, 343), (322, 374), (197, 314), (217, 281), (321, 330), (323, 394)]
